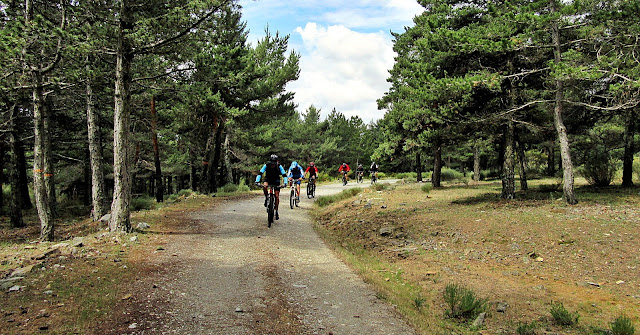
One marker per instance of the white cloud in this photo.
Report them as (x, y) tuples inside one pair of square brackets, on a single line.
[(344, 69)]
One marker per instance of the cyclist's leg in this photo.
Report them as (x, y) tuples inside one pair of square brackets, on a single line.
[(277, 193)]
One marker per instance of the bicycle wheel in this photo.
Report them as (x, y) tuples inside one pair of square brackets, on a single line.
[(344, 180), (313, 190), (292, 199), (309, 194), (271, 209)]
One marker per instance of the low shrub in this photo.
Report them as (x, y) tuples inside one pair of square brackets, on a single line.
[(527, 328), (489, 174), (426, 187), (382, 175), (185, 193), (142, 202), (379, 187), (407, 175), (622, 325), (561, 316), (326, 200), (229, 188), (462, 302)]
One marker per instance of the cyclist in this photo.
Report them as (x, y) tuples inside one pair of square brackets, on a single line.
[(359, 171), (344, 169), (373, 169), (295, 174), (272, 171), (312, 170)]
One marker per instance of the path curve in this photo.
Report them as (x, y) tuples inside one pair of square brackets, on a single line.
[(236, 276)]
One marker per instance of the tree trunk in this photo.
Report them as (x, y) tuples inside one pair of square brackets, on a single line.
[(508, 164), (629, 149), (86, 190), (205, 182), (120, 212), (437, 164), (156, 152), (23, 180), (15, 208), (213, 167), (476, 162), (39, 152), (3, 153), (193, 172), (565, 153), (227, 160), (551, 160), (49, 166), (98, 192), (523, 166), (418, 166)]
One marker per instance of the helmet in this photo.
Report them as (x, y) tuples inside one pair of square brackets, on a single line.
[(312, 163), (294, 164), (273, 158)]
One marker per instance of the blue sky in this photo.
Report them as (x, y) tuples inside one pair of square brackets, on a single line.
[(345, 47)]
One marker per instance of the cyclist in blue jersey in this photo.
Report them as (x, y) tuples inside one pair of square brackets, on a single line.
[(272, 171), (296, 174)]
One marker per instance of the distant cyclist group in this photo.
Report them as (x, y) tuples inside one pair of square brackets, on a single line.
[(271, 184)]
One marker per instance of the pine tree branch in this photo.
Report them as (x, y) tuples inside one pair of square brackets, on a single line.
[(149, 48)]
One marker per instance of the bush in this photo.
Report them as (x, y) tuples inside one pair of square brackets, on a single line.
[(323, 201), (527, 328), (450, 174), (407, 175), (142, 202), (636, 168), (426, 187), (489, 174), (462, 302), (229, 188), (379, 187), (381, 175), (185, 193), (561, 316), (622, 326)]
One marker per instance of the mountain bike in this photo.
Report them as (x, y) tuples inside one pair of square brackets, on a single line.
[(271, 204), (374, 179), (344, 178), (311, 188), (359, 177), (294, 201)]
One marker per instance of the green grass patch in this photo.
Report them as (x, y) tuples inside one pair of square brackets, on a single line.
[(326, 200)]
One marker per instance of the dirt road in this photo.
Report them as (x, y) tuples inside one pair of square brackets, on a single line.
[(233, 275)]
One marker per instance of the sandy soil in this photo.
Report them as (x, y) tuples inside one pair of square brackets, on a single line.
[(225, 272)]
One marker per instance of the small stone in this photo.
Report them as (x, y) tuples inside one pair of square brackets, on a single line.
[(479, 321), (539, 259), (105, 218), (133, 326), (133, 239), (77, 242), (48, 292), (385, 231), (15, 288), (239, 310), (620, 282), (502, 307), (143, 225)]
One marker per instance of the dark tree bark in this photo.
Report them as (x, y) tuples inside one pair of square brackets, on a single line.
[(228, 169), (523, 166), (39, 168), (15, 206), (23, 180), (551, 160), (156, 152), (3, 153), (476, 162), (418, 166), (213, 167), (49, 165), (437, 164), (98, 188), (629, 149), (508, 174)]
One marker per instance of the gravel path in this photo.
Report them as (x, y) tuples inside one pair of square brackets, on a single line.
[(233, 275)]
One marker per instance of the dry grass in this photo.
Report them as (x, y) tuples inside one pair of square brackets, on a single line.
[(527, 252)]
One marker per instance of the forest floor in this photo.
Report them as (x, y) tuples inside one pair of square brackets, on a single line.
[(211, 266), (522, 255)]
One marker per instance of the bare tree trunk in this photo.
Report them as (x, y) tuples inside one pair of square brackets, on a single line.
[(156, 152), (227, 160), (49, 166), (120, 212), (39, 151), (3, 154), (508, 164), (21, 165), (213, 167), (98, 191), (551, 160), (193, 172), (565, 153), (418, 166), (476, 162), (524, 185), (629, 150), (437, 164), (15, 208)]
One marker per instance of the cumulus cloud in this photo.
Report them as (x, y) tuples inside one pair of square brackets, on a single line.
[(343, 69)]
